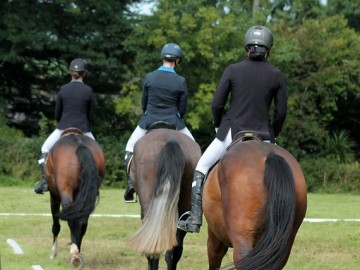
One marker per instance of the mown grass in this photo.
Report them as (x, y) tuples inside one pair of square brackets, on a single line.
[(330, 245)]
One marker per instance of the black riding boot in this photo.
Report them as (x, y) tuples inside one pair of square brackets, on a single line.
[(41, 186), (129, 192), (194, 221)]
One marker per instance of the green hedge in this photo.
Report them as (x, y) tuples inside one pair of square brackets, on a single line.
[(329, 175), (19, 161), (18, 165)]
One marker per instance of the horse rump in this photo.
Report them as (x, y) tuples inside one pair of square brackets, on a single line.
[(273, 248), (85, 200), (158, 231)]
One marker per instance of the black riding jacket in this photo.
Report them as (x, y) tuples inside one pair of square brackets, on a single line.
[(164, 98), (252, 86), (75, 106)]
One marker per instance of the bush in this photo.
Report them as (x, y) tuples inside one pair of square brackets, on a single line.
[(340, 147), (114, 159), (19, 166), (325, 175), (19, 160)]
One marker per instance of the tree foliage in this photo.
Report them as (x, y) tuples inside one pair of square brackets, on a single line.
[(350, 9), (40, 38), (315, 46), (310, 48), (326, 75)]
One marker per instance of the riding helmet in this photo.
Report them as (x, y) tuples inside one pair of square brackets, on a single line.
[(259, 35), (171, 51), (78, 65)]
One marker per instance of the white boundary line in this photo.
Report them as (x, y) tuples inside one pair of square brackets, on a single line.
[(37, 267), (49, 215), (317, 220), (15, 246), (311, 220)]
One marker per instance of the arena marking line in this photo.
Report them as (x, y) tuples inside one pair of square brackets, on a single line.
[(16, 248), (49, 215), (313, 220), (36, 267), (316, 220)]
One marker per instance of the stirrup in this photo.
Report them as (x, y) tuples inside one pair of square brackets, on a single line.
[(184, 226), (40, 187), (184, 216)]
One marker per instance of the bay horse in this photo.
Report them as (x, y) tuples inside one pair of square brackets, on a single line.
[(161, 169), (254, 201), (74, 171)]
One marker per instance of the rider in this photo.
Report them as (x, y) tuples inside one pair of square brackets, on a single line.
[(253, 84), (164, 98), (75, 106)]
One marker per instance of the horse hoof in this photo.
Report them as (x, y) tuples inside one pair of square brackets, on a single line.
[(76, 262)]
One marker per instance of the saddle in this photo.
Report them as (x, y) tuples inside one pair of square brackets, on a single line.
[(161, 124), (71, 130), (243, 136)]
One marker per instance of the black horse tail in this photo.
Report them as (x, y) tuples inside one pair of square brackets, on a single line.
[(158, 231), (272, 249), (85, 200), (171, 168)]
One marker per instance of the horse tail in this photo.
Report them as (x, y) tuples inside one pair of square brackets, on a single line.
[(85, 200), (158, 231), (273, 247)]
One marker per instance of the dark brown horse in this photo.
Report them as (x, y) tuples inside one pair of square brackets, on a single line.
[(74, 171), (254, 201), (162, 169)]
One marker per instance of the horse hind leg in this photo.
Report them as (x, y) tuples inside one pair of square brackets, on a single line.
[(55, 209), (76, 229), (54, 249), (153, 263), (172, 257), (76, 261), (216, 251)]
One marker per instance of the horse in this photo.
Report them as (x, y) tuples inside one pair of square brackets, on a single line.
[(254, 201), (74, 170), (161, 169)]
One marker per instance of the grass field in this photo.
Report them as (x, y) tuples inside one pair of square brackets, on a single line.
[(325, 245)]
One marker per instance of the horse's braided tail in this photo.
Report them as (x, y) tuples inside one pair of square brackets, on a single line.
[(85, 200), (158, 232), (271, 252)]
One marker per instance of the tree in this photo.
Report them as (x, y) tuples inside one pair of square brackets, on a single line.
[(40, 38), (319, 75), (350, 9), (323, 82), (210, 34)]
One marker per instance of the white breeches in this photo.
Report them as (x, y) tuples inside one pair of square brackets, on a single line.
[(213, 153), (54, 137), (139, 132)]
